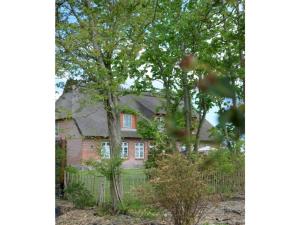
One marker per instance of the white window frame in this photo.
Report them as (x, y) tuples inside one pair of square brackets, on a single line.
[(124, 146), (127, 118), (105, 150), (139, 150)]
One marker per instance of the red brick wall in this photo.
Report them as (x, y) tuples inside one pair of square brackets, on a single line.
[(80, 149), (132, 161), (68, 130), (90, 146), (90, 149)]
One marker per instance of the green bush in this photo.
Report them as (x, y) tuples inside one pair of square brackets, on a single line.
[(223, 160), (72, 169), (79, 195), (60, 157)]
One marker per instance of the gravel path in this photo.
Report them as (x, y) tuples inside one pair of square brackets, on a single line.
[(227, 212)]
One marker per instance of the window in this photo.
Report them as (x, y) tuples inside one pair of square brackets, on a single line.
[(124, 152), (127, 121), (105, 150), (139, 150)]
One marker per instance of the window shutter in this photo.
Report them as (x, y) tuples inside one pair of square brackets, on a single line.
[(133, 121)]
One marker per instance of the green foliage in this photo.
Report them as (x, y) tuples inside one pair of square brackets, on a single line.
[(107, 167), (162, 134), (147, 129), (79, 195), (224, 161), (151, 130), (212, 37), (97, 41), (228, 136), (72, 169), (60, 156), (235, 116), (105, 208), (131, 206), (137, 208), (179, 188)]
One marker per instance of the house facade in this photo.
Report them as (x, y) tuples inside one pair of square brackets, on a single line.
[(83, 125)]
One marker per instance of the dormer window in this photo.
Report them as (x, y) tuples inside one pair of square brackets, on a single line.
[(127, 121)]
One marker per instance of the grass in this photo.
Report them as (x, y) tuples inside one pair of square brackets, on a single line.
[(136, 171)]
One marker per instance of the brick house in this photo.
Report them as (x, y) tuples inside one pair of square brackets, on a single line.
[(84, 127)]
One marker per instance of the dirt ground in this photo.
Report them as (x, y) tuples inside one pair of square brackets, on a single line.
[(230, 212)]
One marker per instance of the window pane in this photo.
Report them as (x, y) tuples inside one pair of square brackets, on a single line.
[(124, 150), (127, 121), (139, 150), (105, 150)]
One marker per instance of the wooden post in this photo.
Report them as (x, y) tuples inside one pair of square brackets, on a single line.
[(101, 191)]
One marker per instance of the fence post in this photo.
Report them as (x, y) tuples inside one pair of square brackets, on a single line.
[(65, 179), (100, 191), (121, 187)]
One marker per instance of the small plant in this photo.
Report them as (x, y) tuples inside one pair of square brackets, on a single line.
[(138, 208), (79, 195), (104, 208)]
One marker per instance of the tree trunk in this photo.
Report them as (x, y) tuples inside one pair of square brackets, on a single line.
[(169, 113), (187, 111), (201, 120), (114, 132)]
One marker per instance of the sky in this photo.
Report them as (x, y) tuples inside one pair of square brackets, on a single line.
[(211, 116)]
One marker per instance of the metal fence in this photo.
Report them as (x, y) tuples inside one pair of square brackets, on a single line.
[(221, 183)]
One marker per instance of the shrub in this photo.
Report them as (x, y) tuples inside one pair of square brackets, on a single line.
[(60, 157), (223, 160), (179, 188), (79, 195), (72, 169)]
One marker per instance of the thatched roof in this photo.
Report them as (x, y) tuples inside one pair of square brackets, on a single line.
[(91, 117)]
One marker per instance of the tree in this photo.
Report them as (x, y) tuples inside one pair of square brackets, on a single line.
[(190, 45), (96, 41)]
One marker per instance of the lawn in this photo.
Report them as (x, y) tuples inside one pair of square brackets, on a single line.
[(133, 172)]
